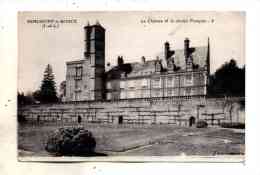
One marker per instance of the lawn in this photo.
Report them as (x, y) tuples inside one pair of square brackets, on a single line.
[(147, 140)]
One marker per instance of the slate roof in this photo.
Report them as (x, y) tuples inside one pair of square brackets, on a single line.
[(136, 69), (199, 57), (145, 68), (132, 69)]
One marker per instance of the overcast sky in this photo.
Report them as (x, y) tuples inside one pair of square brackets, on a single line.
[(126, 35)]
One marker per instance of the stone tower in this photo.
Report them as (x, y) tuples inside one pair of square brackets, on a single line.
[(95, 56), (84, 77)]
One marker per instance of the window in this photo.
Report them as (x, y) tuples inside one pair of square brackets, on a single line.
[(188, 79), (169, 92), (122, 95), (131, 94), (170, 82), (79, 72), (202, 78), (108, 96), (147, 93), (76, 84), (157, 83), (131, 84), (157, 67), (144, 93), (188, 91), (122, 84), (108, 85), (144, 83), (157, 94), (77, 95)]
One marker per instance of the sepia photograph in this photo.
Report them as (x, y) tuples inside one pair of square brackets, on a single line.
[(131, 86)]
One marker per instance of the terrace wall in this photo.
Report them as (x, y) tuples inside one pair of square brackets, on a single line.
[(140, 111)]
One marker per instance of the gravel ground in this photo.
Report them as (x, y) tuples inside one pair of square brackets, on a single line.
[(152, 140)]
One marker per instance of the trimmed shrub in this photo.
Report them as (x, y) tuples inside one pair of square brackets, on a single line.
[(233, 125), (201, 124), (71, 141), (21, 118)]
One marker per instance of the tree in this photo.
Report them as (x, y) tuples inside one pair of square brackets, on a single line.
[(228, 80), (47, 93), (27, 99), (20, 98)]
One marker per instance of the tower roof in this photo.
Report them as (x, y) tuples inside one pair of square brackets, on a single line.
[(97, 24)]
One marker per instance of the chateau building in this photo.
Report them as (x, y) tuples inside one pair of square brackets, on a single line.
[(185, 73)]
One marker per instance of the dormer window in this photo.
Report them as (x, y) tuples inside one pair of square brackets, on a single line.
[(170, 65), (158, 66)]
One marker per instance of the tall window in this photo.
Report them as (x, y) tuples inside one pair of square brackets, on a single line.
[(122, 95), (188, 92), (157, 83), (169, 92), (76, 84), (170, 82), (131, 83), (77, 95), (157, 93), (144, 83), (108, 85), (108, 96), (78, 72), (122, 84), (188, 80), (131, 94), (157, 67)]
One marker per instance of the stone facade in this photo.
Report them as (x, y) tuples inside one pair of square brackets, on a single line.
[(167, 110), (85, 78), (184, 74)]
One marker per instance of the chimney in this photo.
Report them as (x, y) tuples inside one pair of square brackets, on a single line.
[(166, 50), (120, 60), (186, 47), (143, 59)]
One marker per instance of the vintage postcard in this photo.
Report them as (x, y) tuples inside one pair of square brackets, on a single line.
[(131, 86)]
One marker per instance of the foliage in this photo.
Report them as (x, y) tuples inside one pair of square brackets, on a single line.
[(37, 95), (20, 98), (71, 141), (25, 99), (201, 124), (21, 118), (228, 80), (242, 104), (47, 92)]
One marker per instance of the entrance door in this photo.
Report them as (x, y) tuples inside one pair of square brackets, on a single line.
[(79, 119), (191, 121), (120, 119)]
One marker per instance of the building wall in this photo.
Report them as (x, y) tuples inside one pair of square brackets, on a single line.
[(160, 85), (79, 87), (143, 83), (88, 83)]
